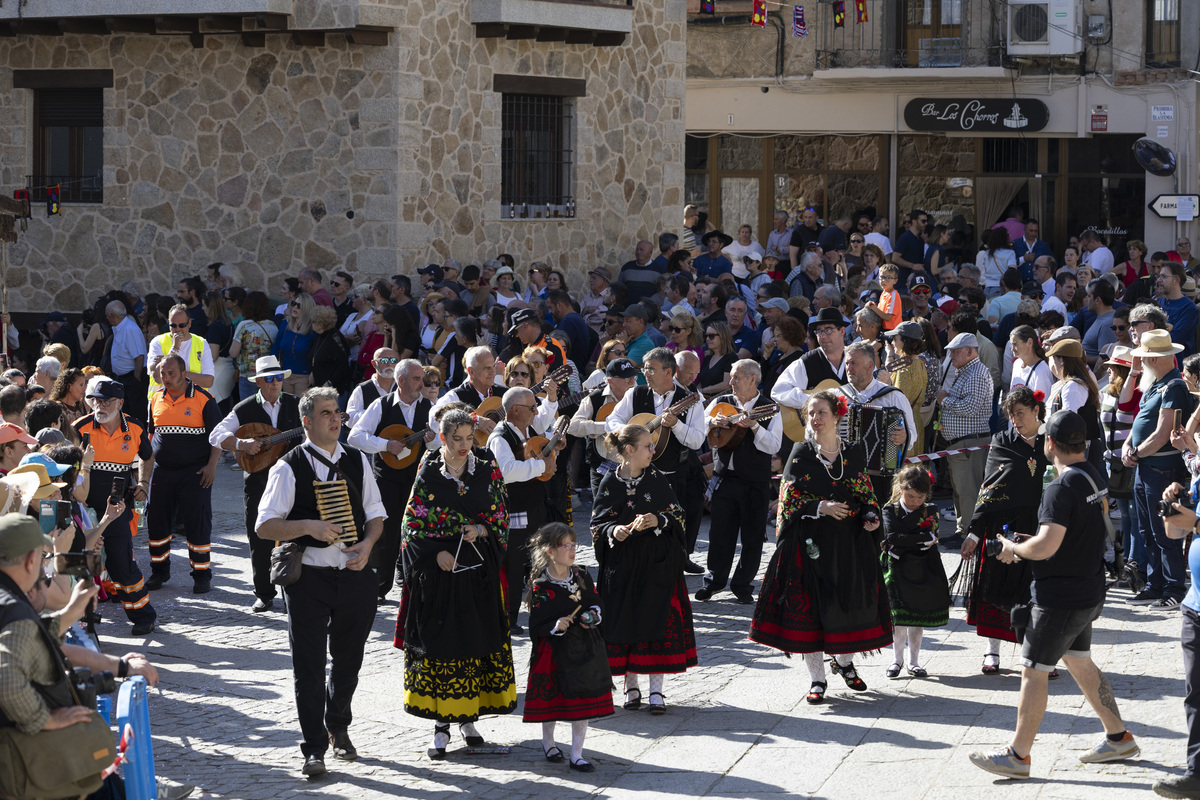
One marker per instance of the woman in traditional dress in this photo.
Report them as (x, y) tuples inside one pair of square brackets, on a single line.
[(823, 590), (452, 625), (1009, 498), (638, 533), (569, 678)]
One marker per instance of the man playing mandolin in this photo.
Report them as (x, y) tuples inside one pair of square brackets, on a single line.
[(743, 468), (398, 424), (270, 409), (479, 386)]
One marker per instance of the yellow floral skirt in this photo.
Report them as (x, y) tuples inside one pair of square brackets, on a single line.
[(459, 690)]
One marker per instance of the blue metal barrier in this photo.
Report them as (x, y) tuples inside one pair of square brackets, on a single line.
[(134, 710)]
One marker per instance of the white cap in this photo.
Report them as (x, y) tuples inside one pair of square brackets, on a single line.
[(963, 340)]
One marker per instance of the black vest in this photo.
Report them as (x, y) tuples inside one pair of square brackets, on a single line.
[(596, 398), (369, 392), (466, 393), (390, 414), (749, 463), (818, 368), (15, 606), (528, 496), (251, 410), (643, 403), (304, 506)]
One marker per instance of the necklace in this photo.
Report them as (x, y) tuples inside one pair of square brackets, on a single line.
[(836, 458)]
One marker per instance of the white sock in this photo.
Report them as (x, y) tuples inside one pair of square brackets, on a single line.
[(914, 646), (845, 660), (899, 633), (993, 651), (578, 732), (656, 684), (441, 739), (631, 683), (816, 666), (468, 729), (548, 736)]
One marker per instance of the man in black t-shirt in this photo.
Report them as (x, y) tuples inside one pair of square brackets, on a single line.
[(1068, 595)]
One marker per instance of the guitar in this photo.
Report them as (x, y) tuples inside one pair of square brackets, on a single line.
[(601, 415), (792, 418), (653, 423), (556, 375), (274, 443), (729, 438), (406, 436), (491, 409), (540, 447)]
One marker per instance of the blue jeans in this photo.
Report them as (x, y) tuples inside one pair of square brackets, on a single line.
[(1135, 545), (992, 292), (1164, 557), (246, 388)]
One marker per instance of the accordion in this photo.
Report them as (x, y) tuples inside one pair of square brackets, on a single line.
[(872, 425)]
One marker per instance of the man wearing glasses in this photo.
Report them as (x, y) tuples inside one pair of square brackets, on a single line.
[(374, 387), (181, 341), (343, 303), (827, 362), (270, 405), (1183, 253)]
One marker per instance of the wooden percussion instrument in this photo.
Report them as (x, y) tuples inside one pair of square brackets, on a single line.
[(333, 506)]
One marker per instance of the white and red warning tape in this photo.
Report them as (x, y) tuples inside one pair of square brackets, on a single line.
[(943, 454)]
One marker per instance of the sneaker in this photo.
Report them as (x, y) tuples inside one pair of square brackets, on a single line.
[(1002, 762), (173, 790), (1144, 598), (1165, 604), (1181, 787), (1108, 750), (948, 514)]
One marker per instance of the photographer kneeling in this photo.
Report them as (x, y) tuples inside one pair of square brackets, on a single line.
[(1067, 597), (52, 743), (1179, 523)]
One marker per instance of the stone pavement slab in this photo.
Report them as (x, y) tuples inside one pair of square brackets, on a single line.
[(223, 716)]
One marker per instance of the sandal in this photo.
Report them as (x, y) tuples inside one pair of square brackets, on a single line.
[(438, 753), (470, 735), (1054, 674), (849, 675), (989, 668), (816, 693), (632, 704), (658, 709), (554, 755), (893, 671)]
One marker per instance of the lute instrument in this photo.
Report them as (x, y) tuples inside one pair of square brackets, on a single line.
[(729, 438), (409, 438), (540, 447), (273, 441), (793, 418), (653, 423)]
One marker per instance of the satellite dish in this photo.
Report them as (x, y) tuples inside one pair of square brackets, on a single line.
[(1154, 158)]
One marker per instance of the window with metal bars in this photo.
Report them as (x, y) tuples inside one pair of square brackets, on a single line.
[(68, 144), (1162, 33), (537, 156)]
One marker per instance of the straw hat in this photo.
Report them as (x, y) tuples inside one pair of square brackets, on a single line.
[(1157, 343), (1121, 356), (16, 491), (45, 487)]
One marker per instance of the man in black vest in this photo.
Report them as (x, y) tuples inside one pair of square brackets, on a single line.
[(827, 362), (479, 385), (620, 376), (526, 493), (375, 387), (743, 493), (270, 405), (333, 601), (408, 407)]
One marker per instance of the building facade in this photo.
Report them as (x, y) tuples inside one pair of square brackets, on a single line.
[(369, 136), (951, 106)]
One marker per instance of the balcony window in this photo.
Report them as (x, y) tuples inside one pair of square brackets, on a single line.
[(1162, 33), (68, 145), (907, 33)]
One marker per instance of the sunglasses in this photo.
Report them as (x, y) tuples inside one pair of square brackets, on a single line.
[(1118, 328), (295, 305), (179, 325), (537, 363), (335, 284), (921, 291), (431, 384), (271, 378), (711, 336), (520, 373), (387, 362), (679, 330), (856, 241)]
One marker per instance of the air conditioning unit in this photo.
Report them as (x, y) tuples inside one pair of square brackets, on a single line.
[(1044, 28)]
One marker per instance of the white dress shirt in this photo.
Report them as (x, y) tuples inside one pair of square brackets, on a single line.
[(355, 406), (791, 388), (689, 430), (450, 397), (581, 424), (362, 433), (280, 495), (894, 399), (227, 427), (767, 438), (513, 469)]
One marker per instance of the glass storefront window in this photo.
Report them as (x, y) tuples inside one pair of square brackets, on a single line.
[(695, 190), (941, 197), (794, 193), (800, 153), (738, 154), (1113, 207), (1106, 154), (695, 153), (739, 203)]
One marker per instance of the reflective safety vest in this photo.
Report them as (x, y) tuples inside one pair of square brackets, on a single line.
[(195, 357)]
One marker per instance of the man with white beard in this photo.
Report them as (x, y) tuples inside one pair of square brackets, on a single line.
[(1166, 404), (375, 387)]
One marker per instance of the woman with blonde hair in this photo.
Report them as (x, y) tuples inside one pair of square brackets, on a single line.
[(684, 334), (610, 351), (716, 368), (293, 345)]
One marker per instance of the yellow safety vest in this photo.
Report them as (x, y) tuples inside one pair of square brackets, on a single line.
[(195, 357)]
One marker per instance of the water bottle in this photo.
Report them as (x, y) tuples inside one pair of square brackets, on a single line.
[(810, 547), (139, 508)]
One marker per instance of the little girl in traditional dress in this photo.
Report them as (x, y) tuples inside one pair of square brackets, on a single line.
[(569, 678), (917, 589)]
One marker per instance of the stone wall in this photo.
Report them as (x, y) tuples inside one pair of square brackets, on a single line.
[(376, 159)]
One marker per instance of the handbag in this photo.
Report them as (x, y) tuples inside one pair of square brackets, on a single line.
[(63, 763), (285, 563), (1120, 477)]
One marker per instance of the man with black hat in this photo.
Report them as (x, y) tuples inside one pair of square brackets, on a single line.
[(619, 377), (431, 274), (920, 291), (826, 363), (117, 440), (271, 406), (712, 264), (1067, 559), (526, 331)]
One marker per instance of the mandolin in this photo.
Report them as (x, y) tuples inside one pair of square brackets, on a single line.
[(653, 423), (274, 444), (491, 409), (556, 375), (406, 436), (539, 447), (793, 419), (729, 438)]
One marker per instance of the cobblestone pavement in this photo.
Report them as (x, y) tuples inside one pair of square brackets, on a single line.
[(738, 726)]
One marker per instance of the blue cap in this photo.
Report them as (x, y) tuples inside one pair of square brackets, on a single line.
[(52, 467)]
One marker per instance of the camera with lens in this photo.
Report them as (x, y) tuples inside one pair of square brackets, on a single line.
[(993, 547), (1165, 507), (89, 685), (83, 566)]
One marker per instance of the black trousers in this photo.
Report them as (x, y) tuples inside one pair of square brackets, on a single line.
[(1190, 639), (738, 506), (260, 549), (176, 495), (385, 556), (328, 610), (134, 388), (123, 569), (688, 484), (516, 562)]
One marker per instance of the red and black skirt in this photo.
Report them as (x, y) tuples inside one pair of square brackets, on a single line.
[(674, 652)]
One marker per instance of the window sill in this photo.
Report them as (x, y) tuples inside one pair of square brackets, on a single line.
[(544, 19), (911, 73)]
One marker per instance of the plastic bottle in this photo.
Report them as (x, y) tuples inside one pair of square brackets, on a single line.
[(139, 508), (811, 548)]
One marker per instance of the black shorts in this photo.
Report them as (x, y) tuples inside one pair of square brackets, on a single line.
[(1057, 632)]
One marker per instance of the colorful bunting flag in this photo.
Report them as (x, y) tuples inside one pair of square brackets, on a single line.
[(799, 26), (839, 14), (860, 8), (707, 7), (759, 17)]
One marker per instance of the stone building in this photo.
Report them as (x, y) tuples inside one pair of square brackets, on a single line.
[(952, 106), (370, 135)]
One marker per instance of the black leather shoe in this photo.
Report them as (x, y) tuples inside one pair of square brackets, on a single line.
[(704, 594), (343, 748), (515, 630), (156, 582), (261, 605), (582, 766), (202, 587), (314, 766), (143, 629), (745, 598), (692, 568)]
